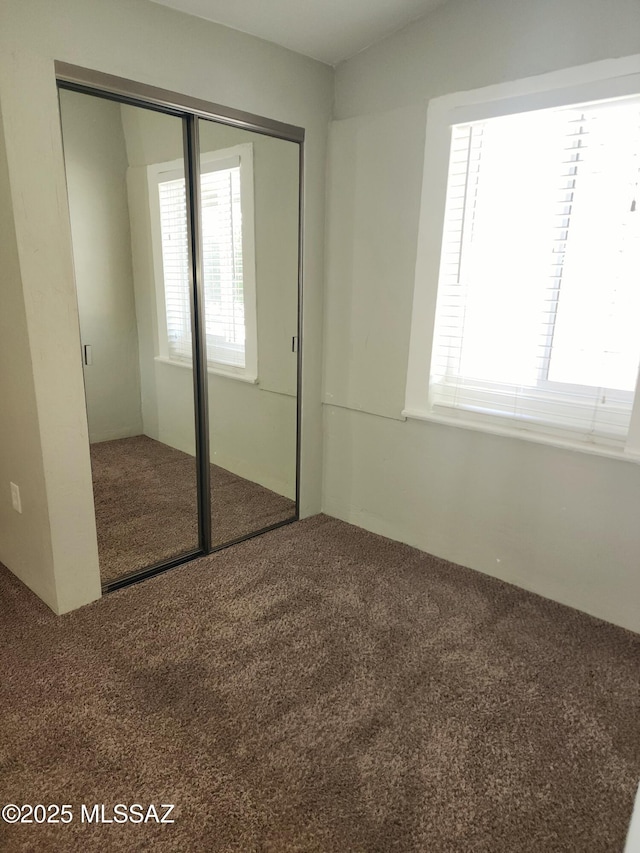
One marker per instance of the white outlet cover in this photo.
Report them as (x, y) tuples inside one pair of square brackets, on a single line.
[(15, 497)]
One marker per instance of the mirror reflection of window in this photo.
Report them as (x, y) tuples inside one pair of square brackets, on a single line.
[(222, 265), (226, 187)]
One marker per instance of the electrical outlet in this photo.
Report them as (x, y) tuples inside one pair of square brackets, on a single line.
[(15, 497)]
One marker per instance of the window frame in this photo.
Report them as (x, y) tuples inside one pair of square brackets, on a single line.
[(581, 84), (210, 161)]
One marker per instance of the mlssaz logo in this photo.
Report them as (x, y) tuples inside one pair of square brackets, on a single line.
[(121, 813)]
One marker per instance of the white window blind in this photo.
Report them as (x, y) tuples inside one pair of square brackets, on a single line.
[(175, 266), (222, 259), (539, 290), (226, 186)]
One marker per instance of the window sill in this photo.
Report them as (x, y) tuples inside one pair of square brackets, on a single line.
[(215, 371), (526, 435)]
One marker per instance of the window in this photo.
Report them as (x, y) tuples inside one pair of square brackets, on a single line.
[(537, 319), (226, 187)]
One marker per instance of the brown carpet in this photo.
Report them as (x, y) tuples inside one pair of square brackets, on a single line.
[(146, 504), (321, 689)]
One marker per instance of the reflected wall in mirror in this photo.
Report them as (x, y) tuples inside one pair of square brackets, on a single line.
[(141, 427), (184, 248), (249, 200)]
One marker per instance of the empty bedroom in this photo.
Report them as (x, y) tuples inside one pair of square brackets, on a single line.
[(320, 426)]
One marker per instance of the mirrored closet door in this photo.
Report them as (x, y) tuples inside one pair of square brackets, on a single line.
[(249, 215), (185, 234)]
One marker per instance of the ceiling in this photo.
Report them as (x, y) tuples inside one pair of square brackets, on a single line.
[(328, 30)]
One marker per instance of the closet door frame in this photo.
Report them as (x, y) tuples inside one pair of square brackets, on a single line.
[(190, 110)]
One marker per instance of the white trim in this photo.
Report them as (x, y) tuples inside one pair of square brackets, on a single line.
[(565, 79), (548, 99), (487, 426), (221, 370), (594, 81), (176, 169)]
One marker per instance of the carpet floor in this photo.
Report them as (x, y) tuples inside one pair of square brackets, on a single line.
[(320, 689), (146, 504)]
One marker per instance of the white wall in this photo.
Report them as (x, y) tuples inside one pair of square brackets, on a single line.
[(96, 170), (30, 556), (466, 44), (152, 44), (560, 523), (41, 221)]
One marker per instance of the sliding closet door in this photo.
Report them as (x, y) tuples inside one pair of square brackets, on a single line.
[(128, 203), (186, 240), (249, 212)]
